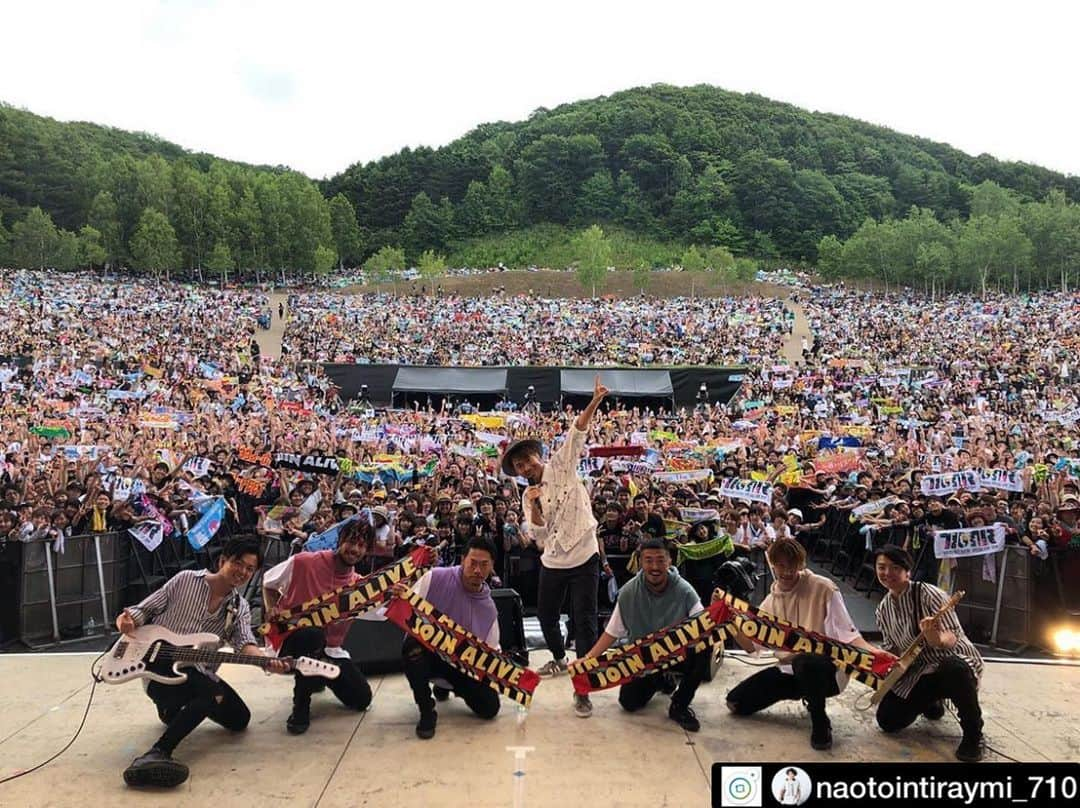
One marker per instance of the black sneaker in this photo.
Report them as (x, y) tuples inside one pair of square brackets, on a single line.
[(299, 720), (425, 727), (441, 693), (155, 769), (972, 749), (821, 735), (935, 712), (684, 717)]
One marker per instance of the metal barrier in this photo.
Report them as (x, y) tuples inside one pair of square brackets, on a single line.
[(997, 613), (61, 593)]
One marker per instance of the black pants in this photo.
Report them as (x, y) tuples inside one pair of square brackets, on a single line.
[(183, 707), (351, 687), (582, 582), (953, 680), (813, 679), (421, 666), (637, 693)]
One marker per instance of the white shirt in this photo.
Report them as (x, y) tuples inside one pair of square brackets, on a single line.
[(568, 536), (838, 625), (748, 535)]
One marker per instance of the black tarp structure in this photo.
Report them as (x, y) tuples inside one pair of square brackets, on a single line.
[(484, 387), (551, 385), (647, 387)]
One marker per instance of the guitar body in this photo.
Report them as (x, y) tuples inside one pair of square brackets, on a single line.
[(142, 655), (153, 652)]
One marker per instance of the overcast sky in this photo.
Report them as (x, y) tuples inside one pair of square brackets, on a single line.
[(319, 86)]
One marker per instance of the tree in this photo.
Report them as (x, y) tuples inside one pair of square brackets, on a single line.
[(551, 170), (220, 261), (65, 250), (720, 263), (346, 230), (431, 265), (503, 208), (745, 269), (473, 218), (91, 251), (105, 220), (597, 200), (987, 246), (153, 245), (830, 257), (592, 252), (325, 258), (693, 262), (191, 199), (642, 276), (634, 211), (427, 225), (990, 199), (384, 265), (33, 240)]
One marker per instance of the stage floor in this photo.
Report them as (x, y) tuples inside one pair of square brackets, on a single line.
[(375, 759)]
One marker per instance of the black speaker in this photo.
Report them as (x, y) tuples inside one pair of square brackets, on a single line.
[(375, 645), (511, 624)]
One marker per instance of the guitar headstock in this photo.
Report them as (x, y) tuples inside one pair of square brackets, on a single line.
[(306, 666)]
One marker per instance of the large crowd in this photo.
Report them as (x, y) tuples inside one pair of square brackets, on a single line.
[(126, 403), (526, 330)]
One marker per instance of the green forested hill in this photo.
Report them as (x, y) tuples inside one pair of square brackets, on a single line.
[(693, 164), (665, 166)]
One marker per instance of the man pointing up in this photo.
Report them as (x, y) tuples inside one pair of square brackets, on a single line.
[(559, 518)]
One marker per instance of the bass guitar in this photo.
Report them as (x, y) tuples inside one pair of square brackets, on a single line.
[(903, 664), (153, 652)]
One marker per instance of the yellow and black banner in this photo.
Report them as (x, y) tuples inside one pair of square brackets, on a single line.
[(727, 616), (462, 649), (348, 602), (770, 631)]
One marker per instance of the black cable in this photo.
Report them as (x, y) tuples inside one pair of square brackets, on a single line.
[(97, 678), (989, 748)]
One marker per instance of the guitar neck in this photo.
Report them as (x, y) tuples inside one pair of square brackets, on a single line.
[(217, 657)]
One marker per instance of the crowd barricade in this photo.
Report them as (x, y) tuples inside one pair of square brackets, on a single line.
[(998, 610), (63, 596)]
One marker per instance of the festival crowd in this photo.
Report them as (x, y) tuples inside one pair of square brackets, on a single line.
[(128, 403)]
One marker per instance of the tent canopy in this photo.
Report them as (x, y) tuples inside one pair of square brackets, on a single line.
[(450, 380), (626, 383)]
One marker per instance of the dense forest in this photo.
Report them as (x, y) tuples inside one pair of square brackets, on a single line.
[(680, 166)]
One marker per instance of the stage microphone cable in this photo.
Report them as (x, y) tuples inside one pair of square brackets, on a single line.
[(96, 677)]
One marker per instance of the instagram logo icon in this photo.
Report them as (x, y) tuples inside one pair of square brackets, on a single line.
[(740, 786)]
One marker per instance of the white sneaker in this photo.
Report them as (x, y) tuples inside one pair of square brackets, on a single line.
[(582, 706), (555, 667)]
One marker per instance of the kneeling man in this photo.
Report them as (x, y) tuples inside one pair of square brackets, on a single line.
[(462, 594), (656, 598)]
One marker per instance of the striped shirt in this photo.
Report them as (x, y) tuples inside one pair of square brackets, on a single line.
[(899, 627), (182, 605)]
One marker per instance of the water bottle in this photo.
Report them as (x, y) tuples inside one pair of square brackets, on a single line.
[(91, 627)]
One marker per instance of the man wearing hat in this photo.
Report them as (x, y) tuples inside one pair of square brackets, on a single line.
[(558, 517), (949, 667)]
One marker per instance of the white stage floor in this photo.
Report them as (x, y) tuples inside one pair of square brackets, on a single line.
[(375, 759)]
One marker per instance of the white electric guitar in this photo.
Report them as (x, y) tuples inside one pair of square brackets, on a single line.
[(153, 652)]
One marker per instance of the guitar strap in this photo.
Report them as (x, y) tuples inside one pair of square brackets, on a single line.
[(230, 612), (916, 593)]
